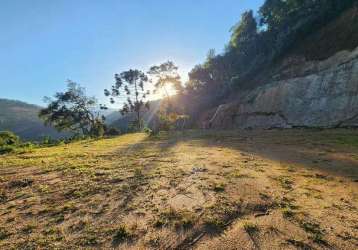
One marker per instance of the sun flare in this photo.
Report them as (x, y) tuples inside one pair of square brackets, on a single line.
[(161, 93)]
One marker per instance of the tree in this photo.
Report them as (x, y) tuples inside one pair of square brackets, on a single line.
[(131, 85), (165, 76), (244, 32), (73, 111)]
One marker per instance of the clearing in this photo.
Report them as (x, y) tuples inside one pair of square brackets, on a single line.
[(277, 189)]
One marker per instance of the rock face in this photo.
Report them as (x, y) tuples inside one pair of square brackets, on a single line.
[(303, 94)]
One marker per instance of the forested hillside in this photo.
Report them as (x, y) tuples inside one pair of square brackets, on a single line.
[(22, 119), (259, 42)]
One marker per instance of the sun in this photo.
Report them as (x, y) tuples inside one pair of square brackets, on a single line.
[(162, 93)]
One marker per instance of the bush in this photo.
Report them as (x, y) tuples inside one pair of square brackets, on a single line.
[(7, 149), (112, 132), (8, 142), (8, 138), (148, 131)]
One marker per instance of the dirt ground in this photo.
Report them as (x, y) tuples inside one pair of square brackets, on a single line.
[(275, 189)]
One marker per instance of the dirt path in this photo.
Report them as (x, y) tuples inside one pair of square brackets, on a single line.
[(290, 189)]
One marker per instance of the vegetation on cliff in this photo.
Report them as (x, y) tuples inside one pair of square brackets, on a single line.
[(256, 43)]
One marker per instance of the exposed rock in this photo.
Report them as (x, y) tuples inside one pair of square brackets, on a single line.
[(307, 94)]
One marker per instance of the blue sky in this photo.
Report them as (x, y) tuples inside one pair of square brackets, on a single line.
[(45, 42)]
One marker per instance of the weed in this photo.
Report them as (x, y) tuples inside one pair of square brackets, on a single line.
[(3, 234), (89, 240), (27, 229), (315, 230), (138, 173), (44, 189), (299, 244), (90, 236), (285, 182), (3, 196), (214, 223), (219, 187), (121, 234), (287, 212), (20, 183), (250, 228), (179, 219), (264, 196)]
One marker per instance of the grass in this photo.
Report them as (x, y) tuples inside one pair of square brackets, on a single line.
[(285, 182), (287, 212), (219, 187), (178, 219), (3, 234), (317, 234), (250, 228), (172, 190), (122, 233)]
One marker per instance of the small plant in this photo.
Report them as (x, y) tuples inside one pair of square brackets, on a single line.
[(214, 223), (20, 183), (287, 212), (3, 234), (251, 228), (315, 230), (121, 234), (285, 182), (138, 173), (178, 219), (27, 229), (7, 149), (219, 187), (8, 138), (148, 131)]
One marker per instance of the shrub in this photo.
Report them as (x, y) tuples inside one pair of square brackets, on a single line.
[(112, 132), (121, 234), (148, 131), (7, 149), (8, 138), (8, 142)]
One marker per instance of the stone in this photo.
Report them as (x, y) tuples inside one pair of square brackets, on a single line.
[(316, 94)]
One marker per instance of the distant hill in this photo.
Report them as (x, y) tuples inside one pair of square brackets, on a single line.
[(22, 119)]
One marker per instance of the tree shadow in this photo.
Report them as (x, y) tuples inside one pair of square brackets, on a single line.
[(305, 148)]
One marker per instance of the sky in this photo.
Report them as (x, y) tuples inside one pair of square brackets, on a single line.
[(45, 42)]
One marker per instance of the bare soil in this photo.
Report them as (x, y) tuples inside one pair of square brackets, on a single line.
[(278, 189)]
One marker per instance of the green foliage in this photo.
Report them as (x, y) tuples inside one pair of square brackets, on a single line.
[(244, 32), (73, 111), (251, 228), (148, 131), (7, 149), (3, 233), (166, 75), (8, 142), (179, 219), (122, 234), (253, 46), (8, 138), (133, 84)]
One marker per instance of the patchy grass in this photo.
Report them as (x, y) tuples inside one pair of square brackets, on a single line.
[(219, 187), (178, 219), (121, 234), (250, 228), (184, 190)]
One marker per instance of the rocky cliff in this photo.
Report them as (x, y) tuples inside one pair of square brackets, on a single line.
[(302, 94)]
